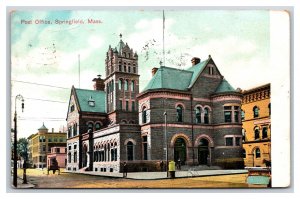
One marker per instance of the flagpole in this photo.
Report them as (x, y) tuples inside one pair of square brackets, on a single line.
[(164, 37)]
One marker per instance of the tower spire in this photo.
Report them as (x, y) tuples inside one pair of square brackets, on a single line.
[(120, 36)]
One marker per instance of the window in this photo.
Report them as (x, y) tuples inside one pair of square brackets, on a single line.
[(120, 68), (265, 132), (206, 119), (72, 108), (57, 150), (120, 84), (229, 141), (243, 115), (179, 113), (90, 126), (75, 157), (144, 115), (91, 101), (70, 148), (75, 129), (198, 115), (121, 104), (61, 140), (145, 148), (55, 139), (132, 106), (116, 152), (125, 67), (237, 141), (44, 148), (211, 70), (97, 126), (112, 154), (129, 69), (69, 157), (236, 114), (256, 133), (112, 85), (129, 151), (49, 139), (269, 106), (75, 146), (126, 85), (257, 153), (227, 113), (127, 106), (255, 111), (132, 85), (134, 70), (69, 132)]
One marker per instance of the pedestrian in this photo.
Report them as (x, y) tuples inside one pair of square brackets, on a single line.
[(179, 164), (124, 170), (161, 165)]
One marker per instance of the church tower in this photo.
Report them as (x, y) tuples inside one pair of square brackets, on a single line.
[(121, 84)]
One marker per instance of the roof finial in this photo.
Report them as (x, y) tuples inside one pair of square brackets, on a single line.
[(120, 36), (160, 63)]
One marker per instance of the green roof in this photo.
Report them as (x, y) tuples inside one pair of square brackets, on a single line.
[(170, 78), (224, 87), (91, 100), (197, 69), (43, 127)]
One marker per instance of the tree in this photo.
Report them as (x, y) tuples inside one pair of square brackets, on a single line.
[(22, 148)]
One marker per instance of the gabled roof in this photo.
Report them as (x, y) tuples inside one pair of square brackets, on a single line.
[(84, 96), (197, 69), (170, 78), (224, 87)]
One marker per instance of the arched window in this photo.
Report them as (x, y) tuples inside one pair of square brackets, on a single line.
[(179, 111), (244, 153), (132, 85), (269, 106), (129, 151), (90, 126), (206, 118), (120, 84), (129, 69), (256, 133), (97, 126), (75, 129), (75, 156), (120, 67), (134, 70), (126, 85), (144, 115), (198, 115), (257, 153), (95, 156), (125, 68), (265, 132), (69, 157), (116, 151), (255, 111)]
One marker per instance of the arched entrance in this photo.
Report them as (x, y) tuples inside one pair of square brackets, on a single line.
[(203, 152), (180, 150), (84, 156)]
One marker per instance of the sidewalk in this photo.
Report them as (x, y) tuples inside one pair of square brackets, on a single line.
[(163, 175), (20, 184)]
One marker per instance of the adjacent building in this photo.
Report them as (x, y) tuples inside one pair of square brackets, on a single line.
[(59, 155), (191, 115), (256, 117), (40, 144)]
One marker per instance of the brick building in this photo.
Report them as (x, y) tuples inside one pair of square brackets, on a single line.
[(40, 144), (256, 118), (115, 122)]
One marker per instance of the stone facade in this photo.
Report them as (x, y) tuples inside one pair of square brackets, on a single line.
[(145, 128)]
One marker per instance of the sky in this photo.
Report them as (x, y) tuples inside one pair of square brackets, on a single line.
[(44, 57)]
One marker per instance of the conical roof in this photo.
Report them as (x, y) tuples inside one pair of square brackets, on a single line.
[(43, 127)]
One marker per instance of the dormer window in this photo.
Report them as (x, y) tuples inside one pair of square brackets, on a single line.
[(91, 101), (72, 108)]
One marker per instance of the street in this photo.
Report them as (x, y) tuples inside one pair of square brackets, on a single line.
[(71, 180)]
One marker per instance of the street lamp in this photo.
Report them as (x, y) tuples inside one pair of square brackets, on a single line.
[(18, 97), (166, 142)]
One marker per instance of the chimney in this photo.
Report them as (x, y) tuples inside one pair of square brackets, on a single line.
[(99, 83), (195, 61), (154, 70)]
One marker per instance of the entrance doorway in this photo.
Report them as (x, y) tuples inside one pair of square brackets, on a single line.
[(180, 150), (203, 152)]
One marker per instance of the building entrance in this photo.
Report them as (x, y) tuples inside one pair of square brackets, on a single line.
[(203, 152), (180, 150)]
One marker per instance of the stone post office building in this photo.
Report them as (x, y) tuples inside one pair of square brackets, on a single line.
[(192, 115)]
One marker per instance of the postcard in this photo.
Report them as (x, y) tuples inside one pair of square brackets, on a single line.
[(149, 98)]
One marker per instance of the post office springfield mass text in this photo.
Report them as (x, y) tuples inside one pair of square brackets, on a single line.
[(62, 22)]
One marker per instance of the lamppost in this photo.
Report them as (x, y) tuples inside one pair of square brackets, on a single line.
[(18, 97), (166, 142)]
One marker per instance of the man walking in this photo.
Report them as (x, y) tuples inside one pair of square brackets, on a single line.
[(124, 170)]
